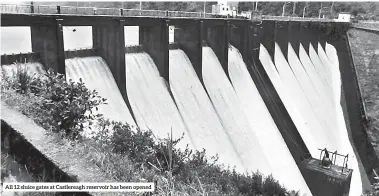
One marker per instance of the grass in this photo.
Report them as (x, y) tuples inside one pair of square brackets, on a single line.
[(124, 154)]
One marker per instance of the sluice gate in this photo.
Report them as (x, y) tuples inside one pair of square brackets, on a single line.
[(248, 37)]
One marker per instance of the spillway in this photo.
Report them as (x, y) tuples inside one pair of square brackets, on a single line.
[(96, 75), (150, 99), (297, 118), (263, 125), (311, 91), (232, 117), (319, 130), (197, 111), (358, 177)]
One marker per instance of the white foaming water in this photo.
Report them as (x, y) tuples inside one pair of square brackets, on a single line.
[(150, 99), (232, 116), (317, 63), (316, 80), (346, 147), (33, 69), (197, 111), (96, 75), (264, 126), (297, 118), (325, 60), (313, 96), (318, 128)]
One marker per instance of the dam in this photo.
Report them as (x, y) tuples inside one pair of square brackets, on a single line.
[(263, 95)]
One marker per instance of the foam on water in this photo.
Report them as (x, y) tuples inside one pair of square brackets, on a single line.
[(197, 111), (96, 75), (318, 129), (263, 125), (317, 81), (319, 68), (297, 118), (33, 69), (232, 117), (322, 129), (150, 99), (310, 91)]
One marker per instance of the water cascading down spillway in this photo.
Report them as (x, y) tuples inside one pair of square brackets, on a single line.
[(151, 101), (96, 75), (309, 88), (198, 113), (328, 66), (259, 118), (232, 117)]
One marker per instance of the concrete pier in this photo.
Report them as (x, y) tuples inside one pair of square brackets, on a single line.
[(47, 41), (218, 38), (109, 43), (154, 40), (309, 35), (272, 100), (282, 36), (323, 33), (268, 36), (239, 37), (189, 36), (294, 38)]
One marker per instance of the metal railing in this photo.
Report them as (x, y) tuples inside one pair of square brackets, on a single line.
[(71, 10)]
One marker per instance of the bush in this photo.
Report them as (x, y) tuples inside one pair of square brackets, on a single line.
[(181, 166), (125, 154), (67, 107), (22, 82)]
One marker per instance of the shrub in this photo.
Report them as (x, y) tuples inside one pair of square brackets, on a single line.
[(69, 105), (125, 154), (22, 82), (186, 166), (61, 106)]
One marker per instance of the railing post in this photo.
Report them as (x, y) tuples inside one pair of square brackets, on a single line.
[(32, 7), (122, 11), (58, 9)]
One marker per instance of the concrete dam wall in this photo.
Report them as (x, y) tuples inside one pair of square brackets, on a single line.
[(263, 95)]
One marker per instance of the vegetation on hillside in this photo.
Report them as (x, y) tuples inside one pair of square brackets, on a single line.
[(67, 108), (361, 10), (365, 52)]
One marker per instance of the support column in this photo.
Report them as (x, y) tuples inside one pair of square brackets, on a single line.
[(109, 42), (281, 36), (218, 39), (272, 100), (239, 37), (294, 38), (308, 35), (189, 37), (268, 36), (323, 37), (154, 40), (351, 100), (47, 41)]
